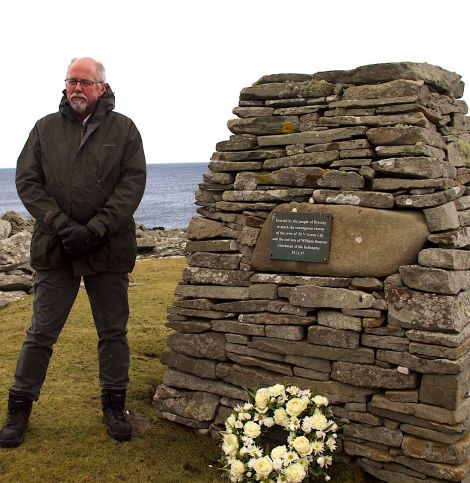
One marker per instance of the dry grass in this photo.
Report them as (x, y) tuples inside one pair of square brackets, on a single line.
[(67, 441)]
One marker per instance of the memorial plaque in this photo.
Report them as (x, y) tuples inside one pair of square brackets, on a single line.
[(304, 237)]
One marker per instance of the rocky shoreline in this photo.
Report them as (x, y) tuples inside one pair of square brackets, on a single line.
[(16, 274)]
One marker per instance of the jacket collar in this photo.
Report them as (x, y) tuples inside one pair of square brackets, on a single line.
[(105, 103)]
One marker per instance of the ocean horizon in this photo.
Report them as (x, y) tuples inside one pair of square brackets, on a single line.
[(168, 200)]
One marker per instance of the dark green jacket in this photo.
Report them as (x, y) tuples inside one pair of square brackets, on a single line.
[(94, 176)]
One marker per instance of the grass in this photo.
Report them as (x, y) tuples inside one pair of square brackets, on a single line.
[(66, 440)]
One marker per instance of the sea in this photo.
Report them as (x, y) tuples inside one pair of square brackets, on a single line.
[(168, 201)]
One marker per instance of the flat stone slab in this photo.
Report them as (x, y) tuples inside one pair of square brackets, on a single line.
[(442, 80), (365, 242)]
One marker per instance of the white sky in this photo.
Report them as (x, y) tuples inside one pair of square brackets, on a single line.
[(177, 66)]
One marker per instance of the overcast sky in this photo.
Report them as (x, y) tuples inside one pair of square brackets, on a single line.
[(177, 66)]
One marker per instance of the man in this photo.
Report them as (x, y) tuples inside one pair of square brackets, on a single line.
[(81, 175)]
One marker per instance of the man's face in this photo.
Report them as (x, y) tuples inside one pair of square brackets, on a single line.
[(83, 98)]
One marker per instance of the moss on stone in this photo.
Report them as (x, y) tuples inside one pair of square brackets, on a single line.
[(464, 149)]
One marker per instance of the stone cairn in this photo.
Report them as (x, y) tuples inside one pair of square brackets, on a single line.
[(381, 329)]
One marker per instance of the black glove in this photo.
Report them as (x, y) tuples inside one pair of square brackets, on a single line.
[(78, 240)]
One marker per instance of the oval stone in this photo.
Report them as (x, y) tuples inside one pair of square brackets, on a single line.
[(365, 242)]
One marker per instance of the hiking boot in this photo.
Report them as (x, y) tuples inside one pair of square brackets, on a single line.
[(16, 423), (115, 416)]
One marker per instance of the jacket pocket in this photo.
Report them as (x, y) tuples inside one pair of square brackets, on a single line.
[(46, 249), (122, 249)]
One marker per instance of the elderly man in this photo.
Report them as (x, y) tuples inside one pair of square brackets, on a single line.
[(81, 175)]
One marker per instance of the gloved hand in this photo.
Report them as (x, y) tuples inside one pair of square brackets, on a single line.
[(78, 240)]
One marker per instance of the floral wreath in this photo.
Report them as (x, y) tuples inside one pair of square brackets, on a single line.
[(310, 442)]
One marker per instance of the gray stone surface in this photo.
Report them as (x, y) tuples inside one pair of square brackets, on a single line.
[(376, 434), (333, 337), (399, 135), (427, 311), (436, 280), (5, 229), (443, 217), (337, 320), (363, 375), (446, 390), (199, 367), (206, 345), (264, 125), (449, 259), (368, 199), (312, 296), (200, 406), (419, 167), (14, 251), (385, 342), (276, 319)]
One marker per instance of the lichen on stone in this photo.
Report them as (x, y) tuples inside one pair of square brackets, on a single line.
[(311, 88)]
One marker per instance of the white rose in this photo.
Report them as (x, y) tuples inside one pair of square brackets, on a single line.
[(295, 406), (276, 390), (230, 444), (252, 429), (295, 473), (319, 421), (237, 468), (302, 445), (262, 398), (268, 422), (278, 452), (320, 401), (280, 417), (263, 466)]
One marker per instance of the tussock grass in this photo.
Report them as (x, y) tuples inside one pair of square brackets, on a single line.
[(67, 441)]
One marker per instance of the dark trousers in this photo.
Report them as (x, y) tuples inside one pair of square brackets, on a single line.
[(54, 294)]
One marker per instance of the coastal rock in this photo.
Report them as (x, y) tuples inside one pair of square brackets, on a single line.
[(5, 229), (14, 251)]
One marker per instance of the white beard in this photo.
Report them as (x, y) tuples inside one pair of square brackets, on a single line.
[(79, 106)]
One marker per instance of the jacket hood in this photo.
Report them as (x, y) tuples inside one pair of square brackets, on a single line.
[(105, 103)]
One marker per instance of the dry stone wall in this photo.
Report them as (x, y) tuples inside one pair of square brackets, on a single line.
[(382, 328)]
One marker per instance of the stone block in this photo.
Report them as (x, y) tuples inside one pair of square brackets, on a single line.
[(312, 296), (207, 345), (437, 470), (445, 258), (299, 160), (436, 280), (347, 415), (214, 292), (418, 167), (368, 199), (337, 320), (399, 135), (264, 125), (459, 238), (428, 311), (445, 390), (333, 337), (454, 454), (375, 434), (385, 342), (276, 367), (182, 380), (200, 406), (275, 319), (318, 365), (286, 332), (341, 180), (236, 327), (443, 217), (192, 365), (358, 449), (363, 375), (396, 240), (212, 246)]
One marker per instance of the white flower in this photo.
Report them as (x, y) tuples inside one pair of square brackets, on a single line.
[(290, 457), (280, 417), (293, 390), (324, 461), (320, 400), (278, 452), (230, 444), (262, 398), (333, 427), (248, 406), (268, 422), (331, 443), (276, 390), (295, 473), (252, 429), (294, 423), (318, 447), (302, 445), (256, 452), (237, 468), (327, 478), (238, 424), (295, 406), (320, 434), (243, 416), (230, 421), (319, 421), (263, 466), (277, 464)]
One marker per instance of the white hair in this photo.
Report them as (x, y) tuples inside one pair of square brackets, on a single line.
[(100, 71)]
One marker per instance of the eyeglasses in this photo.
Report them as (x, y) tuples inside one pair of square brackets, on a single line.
[(84, 82)]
